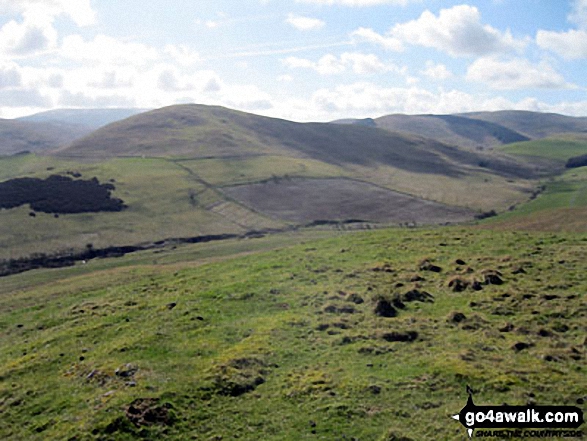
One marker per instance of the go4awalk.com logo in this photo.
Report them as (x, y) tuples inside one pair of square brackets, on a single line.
[(522, 421)]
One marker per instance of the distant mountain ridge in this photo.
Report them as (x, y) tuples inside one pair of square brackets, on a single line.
[(28, 136), (533, 124), (92, 119), (481, 130), (54, 128)]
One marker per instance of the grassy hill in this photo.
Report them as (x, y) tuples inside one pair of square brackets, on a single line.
[(561, 205), (196, 131), (193, 170), (346, 337)]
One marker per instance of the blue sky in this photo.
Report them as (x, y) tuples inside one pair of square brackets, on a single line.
[(299, 59)]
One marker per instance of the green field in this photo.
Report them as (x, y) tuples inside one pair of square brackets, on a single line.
[(558, 149), (275, 343)]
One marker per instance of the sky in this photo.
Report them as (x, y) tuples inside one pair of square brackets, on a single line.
[(303, 60)]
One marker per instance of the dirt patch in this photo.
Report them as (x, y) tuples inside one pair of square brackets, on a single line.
[(148, 411), (415, 295), (457, 284), (492, 277), (427, 265), (383, 308), (407, 336), (307, 200), (239, 376)]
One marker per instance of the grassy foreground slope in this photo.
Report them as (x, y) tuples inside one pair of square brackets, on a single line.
[(349, 337)]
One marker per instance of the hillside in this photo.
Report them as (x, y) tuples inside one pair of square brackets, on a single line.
[(20, 136), (195, 131)]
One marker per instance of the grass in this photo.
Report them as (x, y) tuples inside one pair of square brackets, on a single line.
[(225, 172), (476, 190), (264, 346)]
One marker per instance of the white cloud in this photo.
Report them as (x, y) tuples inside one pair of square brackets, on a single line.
[(370, 36), (285, 78), (329, 64), (103, 49), (515, 74), (364, 64), (26, 38), (570, 45), (111, 80), (364, 99), (369, 99), (81, 99), (9, 77), (35, 32), (457, 31), (436, 71), (246, 97), (24, 98), (359, 2), (170, 78), (304, 23), (80, 11), (55, 81), (182, 54), (579, 13)]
